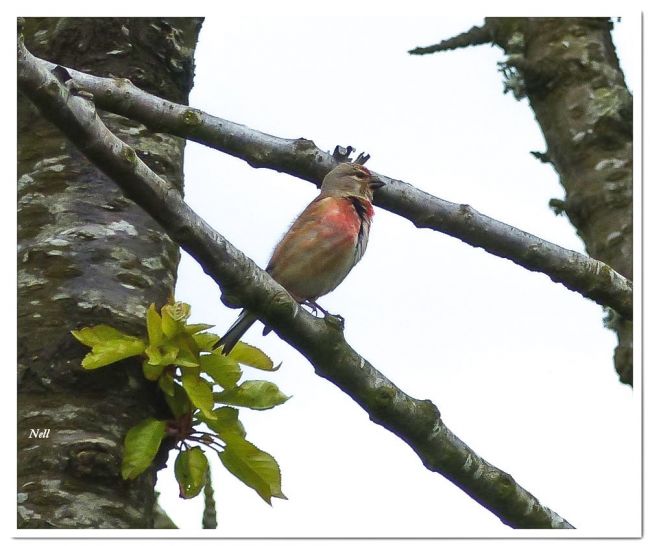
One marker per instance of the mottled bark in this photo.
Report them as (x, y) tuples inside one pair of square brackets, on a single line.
[(87, 254), (577, 90), (568, 69)]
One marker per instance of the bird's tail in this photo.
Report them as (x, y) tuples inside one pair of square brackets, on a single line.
[(236, 331)]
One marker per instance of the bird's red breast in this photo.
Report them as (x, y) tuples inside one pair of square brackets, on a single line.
[(321, 246)]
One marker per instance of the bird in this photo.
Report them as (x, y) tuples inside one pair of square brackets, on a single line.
[(322, 245)]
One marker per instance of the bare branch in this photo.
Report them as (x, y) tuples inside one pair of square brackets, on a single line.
[(321, 341), (303, 159), (474, 36)]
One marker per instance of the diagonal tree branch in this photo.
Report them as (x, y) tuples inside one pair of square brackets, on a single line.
[(321, 341), (303, 159)]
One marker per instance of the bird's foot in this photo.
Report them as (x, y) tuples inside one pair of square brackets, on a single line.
[(335, 320)]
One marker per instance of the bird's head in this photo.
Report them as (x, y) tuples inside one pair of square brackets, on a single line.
[(350, 180)]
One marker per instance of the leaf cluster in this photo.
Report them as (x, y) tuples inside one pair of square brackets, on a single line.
[(203, 389)]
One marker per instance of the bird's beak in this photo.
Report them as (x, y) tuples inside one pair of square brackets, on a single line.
[(375, 183)]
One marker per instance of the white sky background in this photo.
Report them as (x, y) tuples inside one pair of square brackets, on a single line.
[(520, 368)]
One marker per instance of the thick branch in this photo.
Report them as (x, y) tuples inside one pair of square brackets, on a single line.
[(417, 422), (302, 158)]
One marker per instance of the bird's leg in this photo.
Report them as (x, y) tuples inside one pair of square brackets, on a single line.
[(315, 307)]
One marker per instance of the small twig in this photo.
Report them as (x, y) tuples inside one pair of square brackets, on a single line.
[(474, 36)]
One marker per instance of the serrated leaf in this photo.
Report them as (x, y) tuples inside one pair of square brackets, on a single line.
[(205, 340), (254, 467), (179, 310), (254, 394), (179, 402), (140, 447), (173, 318), (190, 470), (226, 421), (198, 390), (154, 326), (223, 369), (194, 328), (166, 383), (251, 356), (95, 335), (112, 351)]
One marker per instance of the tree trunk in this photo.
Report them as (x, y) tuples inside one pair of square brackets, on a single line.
[(569, 70), (87, 255)]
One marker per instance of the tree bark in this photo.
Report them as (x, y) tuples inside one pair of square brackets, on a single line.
[(568, 69), (86, 255), (577, 90)]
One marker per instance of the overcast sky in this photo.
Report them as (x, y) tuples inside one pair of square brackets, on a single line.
[(520, 368)]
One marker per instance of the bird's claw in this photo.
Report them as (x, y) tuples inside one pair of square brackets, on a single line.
[(335, 320), (314, 307)]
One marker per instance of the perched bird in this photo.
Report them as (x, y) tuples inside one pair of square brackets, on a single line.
[(324, 243)]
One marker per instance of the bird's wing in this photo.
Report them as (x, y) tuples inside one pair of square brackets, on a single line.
[(318, 251)]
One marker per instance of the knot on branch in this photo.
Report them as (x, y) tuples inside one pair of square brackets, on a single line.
[(383, 397), (281, 307), (558, 206), (93, 459), (343, 154), (230, 300)]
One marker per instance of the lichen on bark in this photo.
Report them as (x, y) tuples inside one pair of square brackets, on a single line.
[(87, 254), (578, 93)]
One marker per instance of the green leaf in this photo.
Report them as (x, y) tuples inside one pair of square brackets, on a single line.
[(152, 373), (254, 394), (173, 318), (140, 446), (188, 353), (114, 351), (95, 335), (198, 390), (164, 355), (194, 328), (226, 421), (178, 402), (205, 340), (191, 470), (254, 467), (178, 311), (108, 345), (154, 326), (223, 369), (166, 383), (251, 356)]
